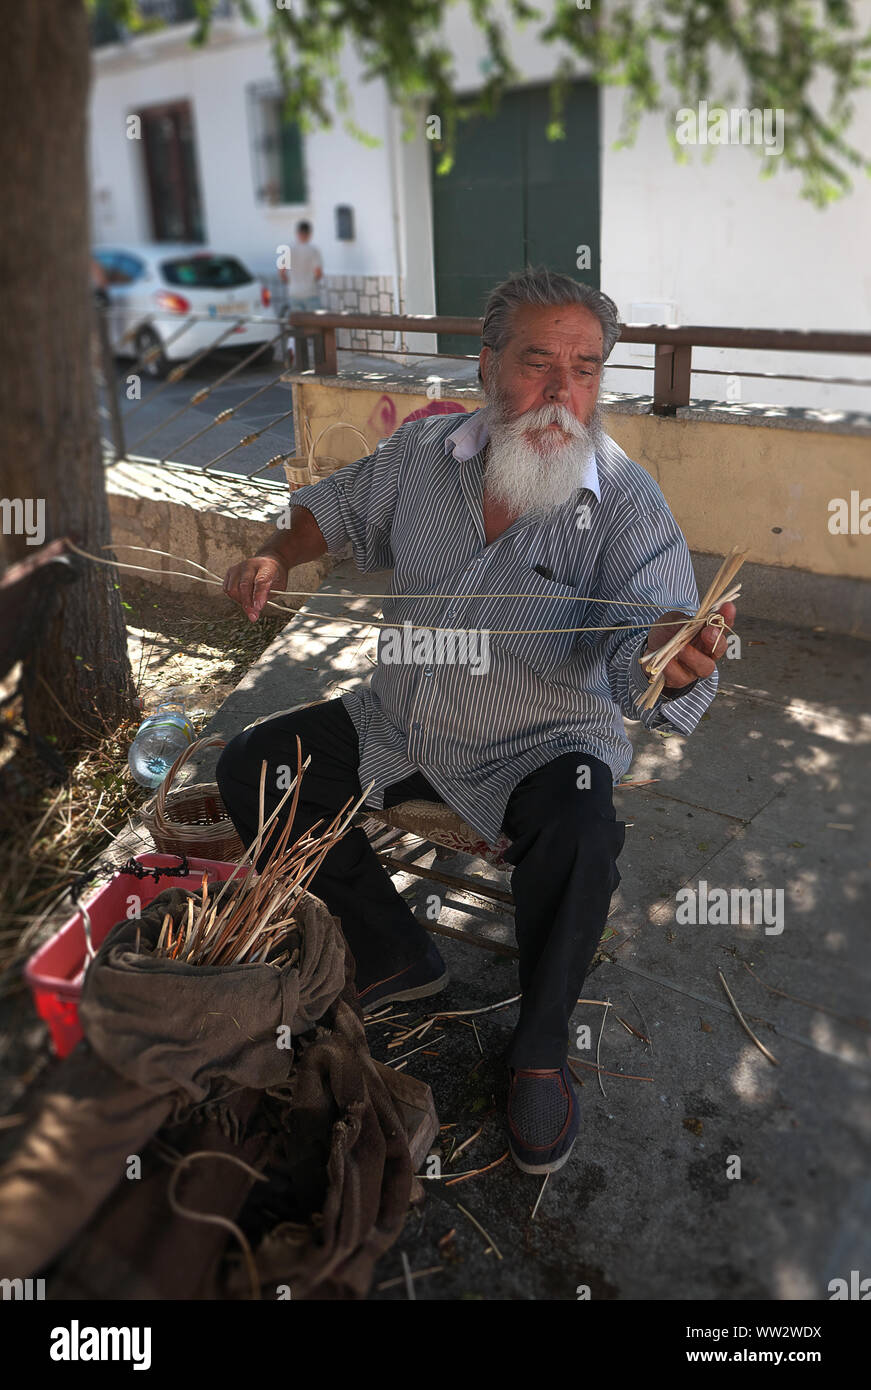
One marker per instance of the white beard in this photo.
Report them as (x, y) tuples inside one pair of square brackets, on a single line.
[(540, 476)]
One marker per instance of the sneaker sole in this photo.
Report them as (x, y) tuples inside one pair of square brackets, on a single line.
[(419, 992), (537, 1169)]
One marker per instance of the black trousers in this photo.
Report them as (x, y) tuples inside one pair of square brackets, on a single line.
[(565, 840)]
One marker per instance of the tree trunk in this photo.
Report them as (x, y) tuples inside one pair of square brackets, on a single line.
[(79, 677)]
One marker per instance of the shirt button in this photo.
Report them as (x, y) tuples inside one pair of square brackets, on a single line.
[(427, 673)]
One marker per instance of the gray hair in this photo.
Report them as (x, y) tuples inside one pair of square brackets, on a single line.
[(543, 288)]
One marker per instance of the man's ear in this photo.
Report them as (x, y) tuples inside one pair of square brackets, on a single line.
[(484, 364)]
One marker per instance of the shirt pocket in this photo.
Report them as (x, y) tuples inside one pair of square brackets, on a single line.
[(551, 608)]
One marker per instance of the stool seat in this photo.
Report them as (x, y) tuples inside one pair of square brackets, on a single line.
[(432, 820)]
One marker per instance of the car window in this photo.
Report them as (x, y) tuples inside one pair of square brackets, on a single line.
[(206, 272), (121, 268), (128, 268)]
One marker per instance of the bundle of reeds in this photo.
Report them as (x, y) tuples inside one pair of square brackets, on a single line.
[(250, 924), (720, 591)]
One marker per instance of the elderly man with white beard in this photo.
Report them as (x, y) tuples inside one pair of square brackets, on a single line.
[(526, 523)]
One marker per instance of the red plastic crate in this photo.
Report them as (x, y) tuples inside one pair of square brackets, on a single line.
[(55, 972)]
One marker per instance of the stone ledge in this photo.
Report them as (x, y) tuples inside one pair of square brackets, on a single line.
[(213, 522), (463, 386)]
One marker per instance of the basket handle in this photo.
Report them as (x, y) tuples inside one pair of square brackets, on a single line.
[(335, 424), (163, 789)]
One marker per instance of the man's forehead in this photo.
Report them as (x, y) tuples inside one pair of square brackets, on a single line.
[(537, 325)]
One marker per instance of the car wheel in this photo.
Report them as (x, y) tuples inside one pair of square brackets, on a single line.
[(148, 345)]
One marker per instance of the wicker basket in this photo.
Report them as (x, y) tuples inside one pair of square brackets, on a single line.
[(296, 472), (321, 466), (312, 468), (192, 820)]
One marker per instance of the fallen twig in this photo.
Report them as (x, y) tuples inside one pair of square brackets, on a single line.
[(539, 1197), (744, 1024), (466, 1142), (412, 1052), (598, 1046), (579, 1079), (629, 1029), (406, 1274), (643, 1021), (476, 1172), (476, 1223), (412, 1274), (460, 1013), (856, 1021)]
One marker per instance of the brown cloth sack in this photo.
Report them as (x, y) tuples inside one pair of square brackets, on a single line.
[(361, 1159), (165, 1040), (161, 1033), (136, 1246), (336, 1155), (69, 1159), (174, 1029)]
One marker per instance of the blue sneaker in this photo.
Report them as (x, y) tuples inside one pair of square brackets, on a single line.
[(542, 1119), (427, 976)]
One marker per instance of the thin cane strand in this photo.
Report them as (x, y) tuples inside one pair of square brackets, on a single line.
[(418, 627), (351, 593), (213, 1218)]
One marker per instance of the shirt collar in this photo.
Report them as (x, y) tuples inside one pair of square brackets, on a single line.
[(470, 437)]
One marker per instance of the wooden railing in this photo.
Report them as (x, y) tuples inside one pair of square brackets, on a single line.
[(673, 344)]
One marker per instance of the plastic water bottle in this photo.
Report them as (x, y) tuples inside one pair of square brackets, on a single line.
[(159, 740)]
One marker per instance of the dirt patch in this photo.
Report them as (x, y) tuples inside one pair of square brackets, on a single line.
[(199, 646), (49, 834)]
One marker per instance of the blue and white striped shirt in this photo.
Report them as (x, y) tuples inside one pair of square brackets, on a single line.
[(416, 505)]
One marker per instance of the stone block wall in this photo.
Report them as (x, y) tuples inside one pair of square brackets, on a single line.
[(363, 294)]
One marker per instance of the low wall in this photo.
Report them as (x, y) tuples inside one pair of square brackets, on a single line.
[(212, 522)]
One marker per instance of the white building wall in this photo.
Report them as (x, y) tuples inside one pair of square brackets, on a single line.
[(705, 243), (362, 273), (721, 245)]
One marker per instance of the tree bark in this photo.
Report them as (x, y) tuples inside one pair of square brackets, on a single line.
[(50, 444)]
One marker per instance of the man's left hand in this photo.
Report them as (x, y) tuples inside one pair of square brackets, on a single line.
[(699, 657)]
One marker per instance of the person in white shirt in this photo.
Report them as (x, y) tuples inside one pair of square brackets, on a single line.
[(306, 271)]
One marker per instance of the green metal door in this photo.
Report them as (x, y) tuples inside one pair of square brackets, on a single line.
[(515, 198)]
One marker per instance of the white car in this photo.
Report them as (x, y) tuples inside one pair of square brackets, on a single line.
[(168, 302)]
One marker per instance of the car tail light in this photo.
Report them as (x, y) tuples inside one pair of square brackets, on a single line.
[(265, 296), (176, 303)]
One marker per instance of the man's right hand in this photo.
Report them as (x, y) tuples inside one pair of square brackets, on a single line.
[(251, 582)]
